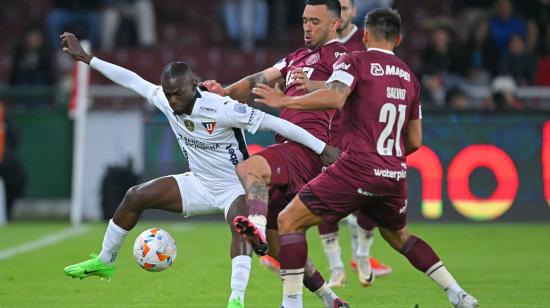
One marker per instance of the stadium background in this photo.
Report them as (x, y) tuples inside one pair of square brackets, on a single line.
[(486, 158)]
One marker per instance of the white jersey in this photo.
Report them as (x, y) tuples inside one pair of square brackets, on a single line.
[(211, 137)]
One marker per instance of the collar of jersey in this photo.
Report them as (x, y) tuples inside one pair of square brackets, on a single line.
[(347, 37), (389, 52), (198, 96)]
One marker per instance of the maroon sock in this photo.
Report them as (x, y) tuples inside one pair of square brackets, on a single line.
[(328, 227), (293, 251), (257, 207), (314, 282), (419, 253)]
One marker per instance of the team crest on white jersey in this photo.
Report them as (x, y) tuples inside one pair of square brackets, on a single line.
[(376, 69), (189, 125), (312, 59), (209, 126)]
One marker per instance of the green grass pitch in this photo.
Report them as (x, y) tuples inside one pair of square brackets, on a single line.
[(503, 265)]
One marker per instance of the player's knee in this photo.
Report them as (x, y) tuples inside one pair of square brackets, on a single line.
[(252, 166), (134, 197), (284, 223)]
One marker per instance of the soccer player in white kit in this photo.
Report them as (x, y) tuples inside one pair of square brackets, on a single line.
[(209, 131)]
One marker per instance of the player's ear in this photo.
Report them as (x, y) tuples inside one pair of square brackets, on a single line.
[(365, 36), (398, 39)]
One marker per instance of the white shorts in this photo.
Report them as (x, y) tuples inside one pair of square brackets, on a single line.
[(199, 199)]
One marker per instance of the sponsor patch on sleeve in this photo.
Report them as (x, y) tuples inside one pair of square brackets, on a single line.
[(240, 108)]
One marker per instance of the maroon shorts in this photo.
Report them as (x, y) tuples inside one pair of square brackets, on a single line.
[(333, 196), (292, 166)]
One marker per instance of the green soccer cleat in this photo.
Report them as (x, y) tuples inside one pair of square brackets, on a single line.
[(235, 303), (91, 267)]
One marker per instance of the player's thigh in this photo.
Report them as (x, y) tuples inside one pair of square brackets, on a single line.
[(297, 217), (161, 193), (196, 198)]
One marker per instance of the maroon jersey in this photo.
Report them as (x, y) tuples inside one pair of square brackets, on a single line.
[(384, 97), (353, 42), (317, 64)]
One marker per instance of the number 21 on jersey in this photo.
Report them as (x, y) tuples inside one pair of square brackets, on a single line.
[(388, 114)]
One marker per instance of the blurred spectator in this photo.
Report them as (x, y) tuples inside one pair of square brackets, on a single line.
[(246, 21), (365, 6), (503, 95), (537, 14), (479, 61), (76, 16), (517, 62), (11, 171), (32, 60), (141, 12), (439, 57), (456, 99), (504, 24), (438, 68)]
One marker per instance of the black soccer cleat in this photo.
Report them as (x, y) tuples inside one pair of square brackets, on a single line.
[(249, 232), (340, 303)]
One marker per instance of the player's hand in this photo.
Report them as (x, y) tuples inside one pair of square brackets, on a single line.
[(272, 97), (329, 155), (72, 46), (299, 77), (213, 86)]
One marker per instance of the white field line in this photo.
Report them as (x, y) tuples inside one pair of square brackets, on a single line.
[(42, 242)]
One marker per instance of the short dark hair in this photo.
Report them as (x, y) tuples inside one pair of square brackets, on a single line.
[(383, 23), (176, 69), (332, 5)]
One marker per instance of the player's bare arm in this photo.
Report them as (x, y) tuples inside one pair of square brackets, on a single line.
[(332, 97), (414, 136), (242, 89), (71, 45)]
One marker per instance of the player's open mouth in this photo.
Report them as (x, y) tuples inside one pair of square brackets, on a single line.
[(307, 39)]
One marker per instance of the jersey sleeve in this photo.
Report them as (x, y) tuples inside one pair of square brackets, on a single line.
[(155, 96), (241, 116), (344, 71), (282, 65), (416, 107)]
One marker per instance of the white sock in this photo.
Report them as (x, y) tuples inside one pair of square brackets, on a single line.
[(240, 272), (327, 295), (331, 246), (114, 236), (292, 287), (259, 221), (365, 239), (352, 227), (445, 280)]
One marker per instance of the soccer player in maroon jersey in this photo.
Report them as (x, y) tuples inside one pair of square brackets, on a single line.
[(381, 125), (361, 227), (286, 166)]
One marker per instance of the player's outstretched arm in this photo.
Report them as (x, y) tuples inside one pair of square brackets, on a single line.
[(333, 97), (242, 89), (119, 75), (297, 134)]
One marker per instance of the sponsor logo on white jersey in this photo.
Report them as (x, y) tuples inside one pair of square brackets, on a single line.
[(208, 109), (240, 108), (376, 69)]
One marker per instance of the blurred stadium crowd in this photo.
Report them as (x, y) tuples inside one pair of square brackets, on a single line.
[(468, 54)]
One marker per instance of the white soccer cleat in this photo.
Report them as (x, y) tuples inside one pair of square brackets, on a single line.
[(364, 269), (465, 300), (337, 278)]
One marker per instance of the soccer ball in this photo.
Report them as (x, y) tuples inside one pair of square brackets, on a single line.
[(155, 250)]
